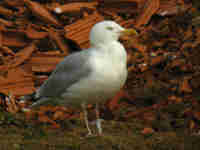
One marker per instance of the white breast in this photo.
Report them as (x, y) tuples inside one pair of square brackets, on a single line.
[(109, 73)]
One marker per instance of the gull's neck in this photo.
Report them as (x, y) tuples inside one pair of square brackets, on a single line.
[(114, 51), (107, 46)]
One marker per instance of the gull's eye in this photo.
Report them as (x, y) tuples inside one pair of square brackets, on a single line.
[(110, 28)]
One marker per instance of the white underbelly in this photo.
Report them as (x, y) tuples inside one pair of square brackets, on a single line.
[(97, 87)]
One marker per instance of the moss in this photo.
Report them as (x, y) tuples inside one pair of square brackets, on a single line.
[(191, 142), (118, 135), (166, 141)]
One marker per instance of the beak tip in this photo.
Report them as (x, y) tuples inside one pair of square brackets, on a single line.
[(130, 32)]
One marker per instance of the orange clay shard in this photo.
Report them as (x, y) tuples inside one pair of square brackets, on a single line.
[(59, 40), (41, 12), (75, 7), (150, 8)]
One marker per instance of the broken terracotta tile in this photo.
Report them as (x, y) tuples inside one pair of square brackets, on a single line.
[(114, 1), (34, 34), (59, 115), (147, 130), (126, 6), (7, 50), (14, 38), (17, 81), (157, 60), (75, 7), (41, 12), (175, 99), (185, 86), (44, 62), (22, 56), (168, 8), (11, 104), (56, 36), (6, 22), (14, 3), (149, 9), (6, 12)]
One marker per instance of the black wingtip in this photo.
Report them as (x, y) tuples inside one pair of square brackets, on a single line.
[(29, 97)]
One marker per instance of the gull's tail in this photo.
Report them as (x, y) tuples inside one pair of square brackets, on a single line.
[(29, 97), (32, 97)]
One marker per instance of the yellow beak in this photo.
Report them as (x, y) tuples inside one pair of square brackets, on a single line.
[(129, 32)]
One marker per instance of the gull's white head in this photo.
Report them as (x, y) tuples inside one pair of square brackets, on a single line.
[(105, 32)]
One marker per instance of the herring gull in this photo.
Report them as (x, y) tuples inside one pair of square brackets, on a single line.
[(89, 76)]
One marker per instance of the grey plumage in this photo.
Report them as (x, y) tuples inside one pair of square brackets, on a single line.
[(70, 70)]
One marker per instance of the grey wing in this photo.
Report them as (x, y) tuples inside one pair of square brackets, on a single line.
[(70, 70)]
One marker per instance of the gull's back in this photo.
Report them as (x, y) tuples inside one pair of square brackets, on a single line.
[(72, 69)]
